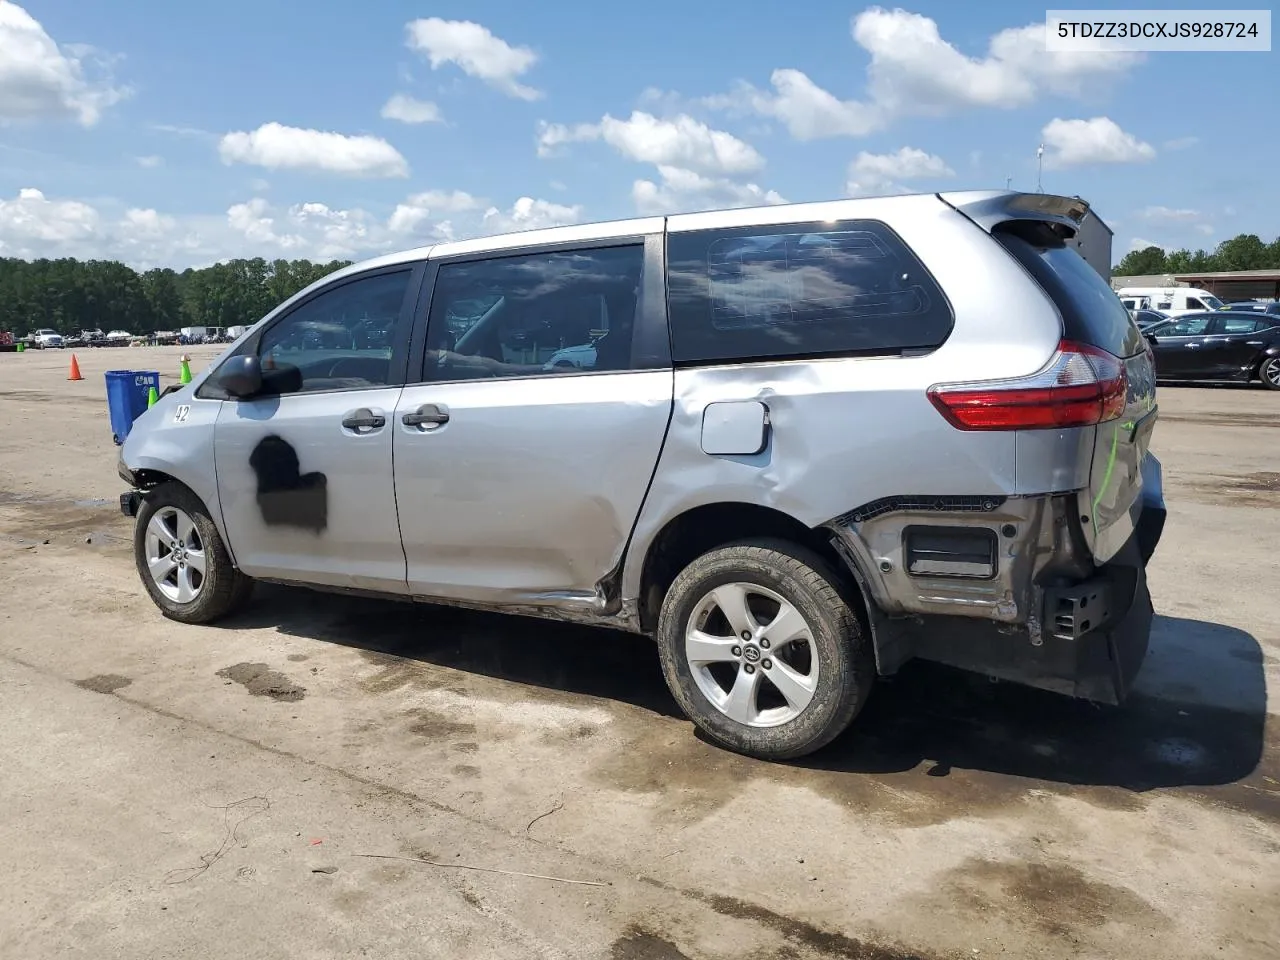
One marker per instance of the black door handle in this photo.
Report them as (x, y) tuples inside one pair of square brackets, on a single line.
[(365, 419), (427, 415)]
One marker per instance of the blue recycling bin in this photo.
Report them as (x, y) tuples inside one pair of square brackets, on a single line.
[(127, 398)]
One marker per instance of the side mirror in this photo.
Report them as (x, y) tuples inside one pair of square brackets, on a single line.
[(1151, 338), (241, 376)]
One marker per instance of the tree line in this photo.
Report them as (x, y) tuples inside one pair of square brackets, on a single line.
[(72, 295), (1247, 251)]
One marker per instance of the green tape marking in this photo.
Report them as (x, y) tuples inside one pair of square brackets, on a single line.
[(1106, 477)]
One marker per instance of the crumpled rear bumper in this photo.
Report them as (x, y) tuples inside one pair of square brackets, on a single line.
[(1152, 512), (1085, 639)]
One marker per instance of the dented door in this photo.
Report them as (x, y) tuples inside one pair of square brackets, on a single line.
[(524, 456), (307, 498), (304, 473)]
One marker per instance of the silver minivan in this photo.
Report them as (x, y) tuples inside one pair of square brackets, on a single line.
[(797, 445)]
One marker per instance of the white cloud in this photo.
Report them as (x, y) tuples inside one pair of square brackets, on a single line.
[(407, 109), (1140, 243), (804, 108), (1181, 143), (258, 185), (1206, 228), (1169, 213), (552, 136), (150, 162), (147, 223), (914, 71), (415, 211), (190, 133), (529, 214), (32, 223), (278, 147), (476, 51), (40, 81), (880, 174), (1073, 143), (685, 191), (680, 142)]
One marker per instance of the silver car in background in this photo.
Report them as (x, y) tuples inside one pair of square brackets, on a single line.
[(797, 445)]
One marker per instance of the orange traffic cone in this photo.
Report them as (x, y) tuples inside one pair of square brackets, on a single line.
[(74, 372)]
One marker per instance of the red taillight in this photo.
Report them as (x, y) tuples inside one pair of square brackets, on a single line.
[(1079, 387)]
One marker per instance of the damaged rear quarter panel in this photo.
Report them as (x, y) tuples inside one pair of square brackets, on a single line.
[(845, 431)]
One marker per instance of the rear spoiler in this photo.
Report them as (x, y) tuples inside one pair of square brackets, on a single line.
[(988, 208)]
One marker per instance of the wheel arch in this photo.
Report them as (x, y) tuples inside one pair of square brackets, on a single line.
[(152, 477), (699, 529), (1264, 357)]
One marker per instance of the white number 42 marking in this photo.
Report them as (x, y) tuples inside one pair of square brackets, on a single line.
[(180, 415)]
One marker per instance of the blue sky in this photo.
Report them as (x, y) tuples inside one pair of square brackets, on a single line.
[(177, 134)]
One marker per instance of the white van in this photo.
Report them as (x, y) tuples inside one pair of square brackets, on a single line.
[(1173, 301)]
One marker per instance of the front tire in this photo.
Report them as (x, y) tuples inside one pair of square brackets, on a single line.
[(763, 651), (1269, 373), (182, 560)]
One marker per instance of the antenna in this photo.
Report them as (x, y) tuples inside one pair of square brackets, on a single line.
[(1040, 169)]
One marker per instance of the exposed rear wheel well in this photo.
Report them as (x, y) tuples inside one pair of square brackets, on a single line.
[(693, 533)]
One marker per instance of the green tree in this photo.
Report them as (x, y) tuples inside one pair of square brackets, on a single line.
[(1144, 262), (1245, 252), (164, 298)]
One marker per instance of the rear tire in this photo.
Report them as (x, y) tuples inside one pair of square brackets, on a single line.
[(1269, 373), (763, 651), (182, 560)]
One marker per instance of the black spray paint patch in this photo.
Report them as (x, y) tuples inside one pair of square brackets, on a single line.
[(286, 496)]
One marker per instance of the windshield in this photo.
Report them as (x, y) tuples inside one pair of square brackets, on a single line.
[(1212, 302)]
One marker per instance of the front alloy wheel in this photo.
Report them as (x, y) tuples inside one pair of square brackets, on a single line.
[(175, 554), (1270, 373), (182, 560)]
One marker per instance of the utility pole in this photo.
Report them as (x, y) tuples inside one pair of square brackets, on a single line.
[(1040, 169)]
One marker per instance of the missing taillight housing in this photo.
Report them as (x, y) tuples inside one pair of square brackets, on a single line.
[(1080, 386)]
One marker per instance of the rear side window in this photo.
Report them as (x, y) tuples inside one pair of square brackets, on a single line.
[(1091, 312), (796, 291), (1229, 325)]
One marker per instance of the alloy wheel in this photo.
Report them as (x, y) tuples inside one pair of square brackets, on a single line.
[(175, 554), (752, 654), (1271, 371)]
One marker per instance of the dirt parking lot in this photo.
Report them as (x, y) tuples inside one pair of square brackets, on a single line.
[(218, 792)]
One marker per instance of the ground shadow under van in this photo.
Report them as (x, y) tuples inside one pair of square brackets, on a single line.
[(1197, 717)]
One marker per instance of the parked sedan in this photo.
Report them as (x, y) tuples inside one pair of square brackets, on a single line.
[(1148, 318), (1257, 306), (1218, 346)]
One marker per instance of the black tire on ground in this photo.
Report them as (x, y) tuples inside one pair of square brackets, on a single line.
[(224, 589), (846, 664), (1269, 373)]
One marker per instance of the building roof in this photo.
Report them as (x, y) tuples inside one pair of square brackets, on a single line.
[(1231, 275)]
